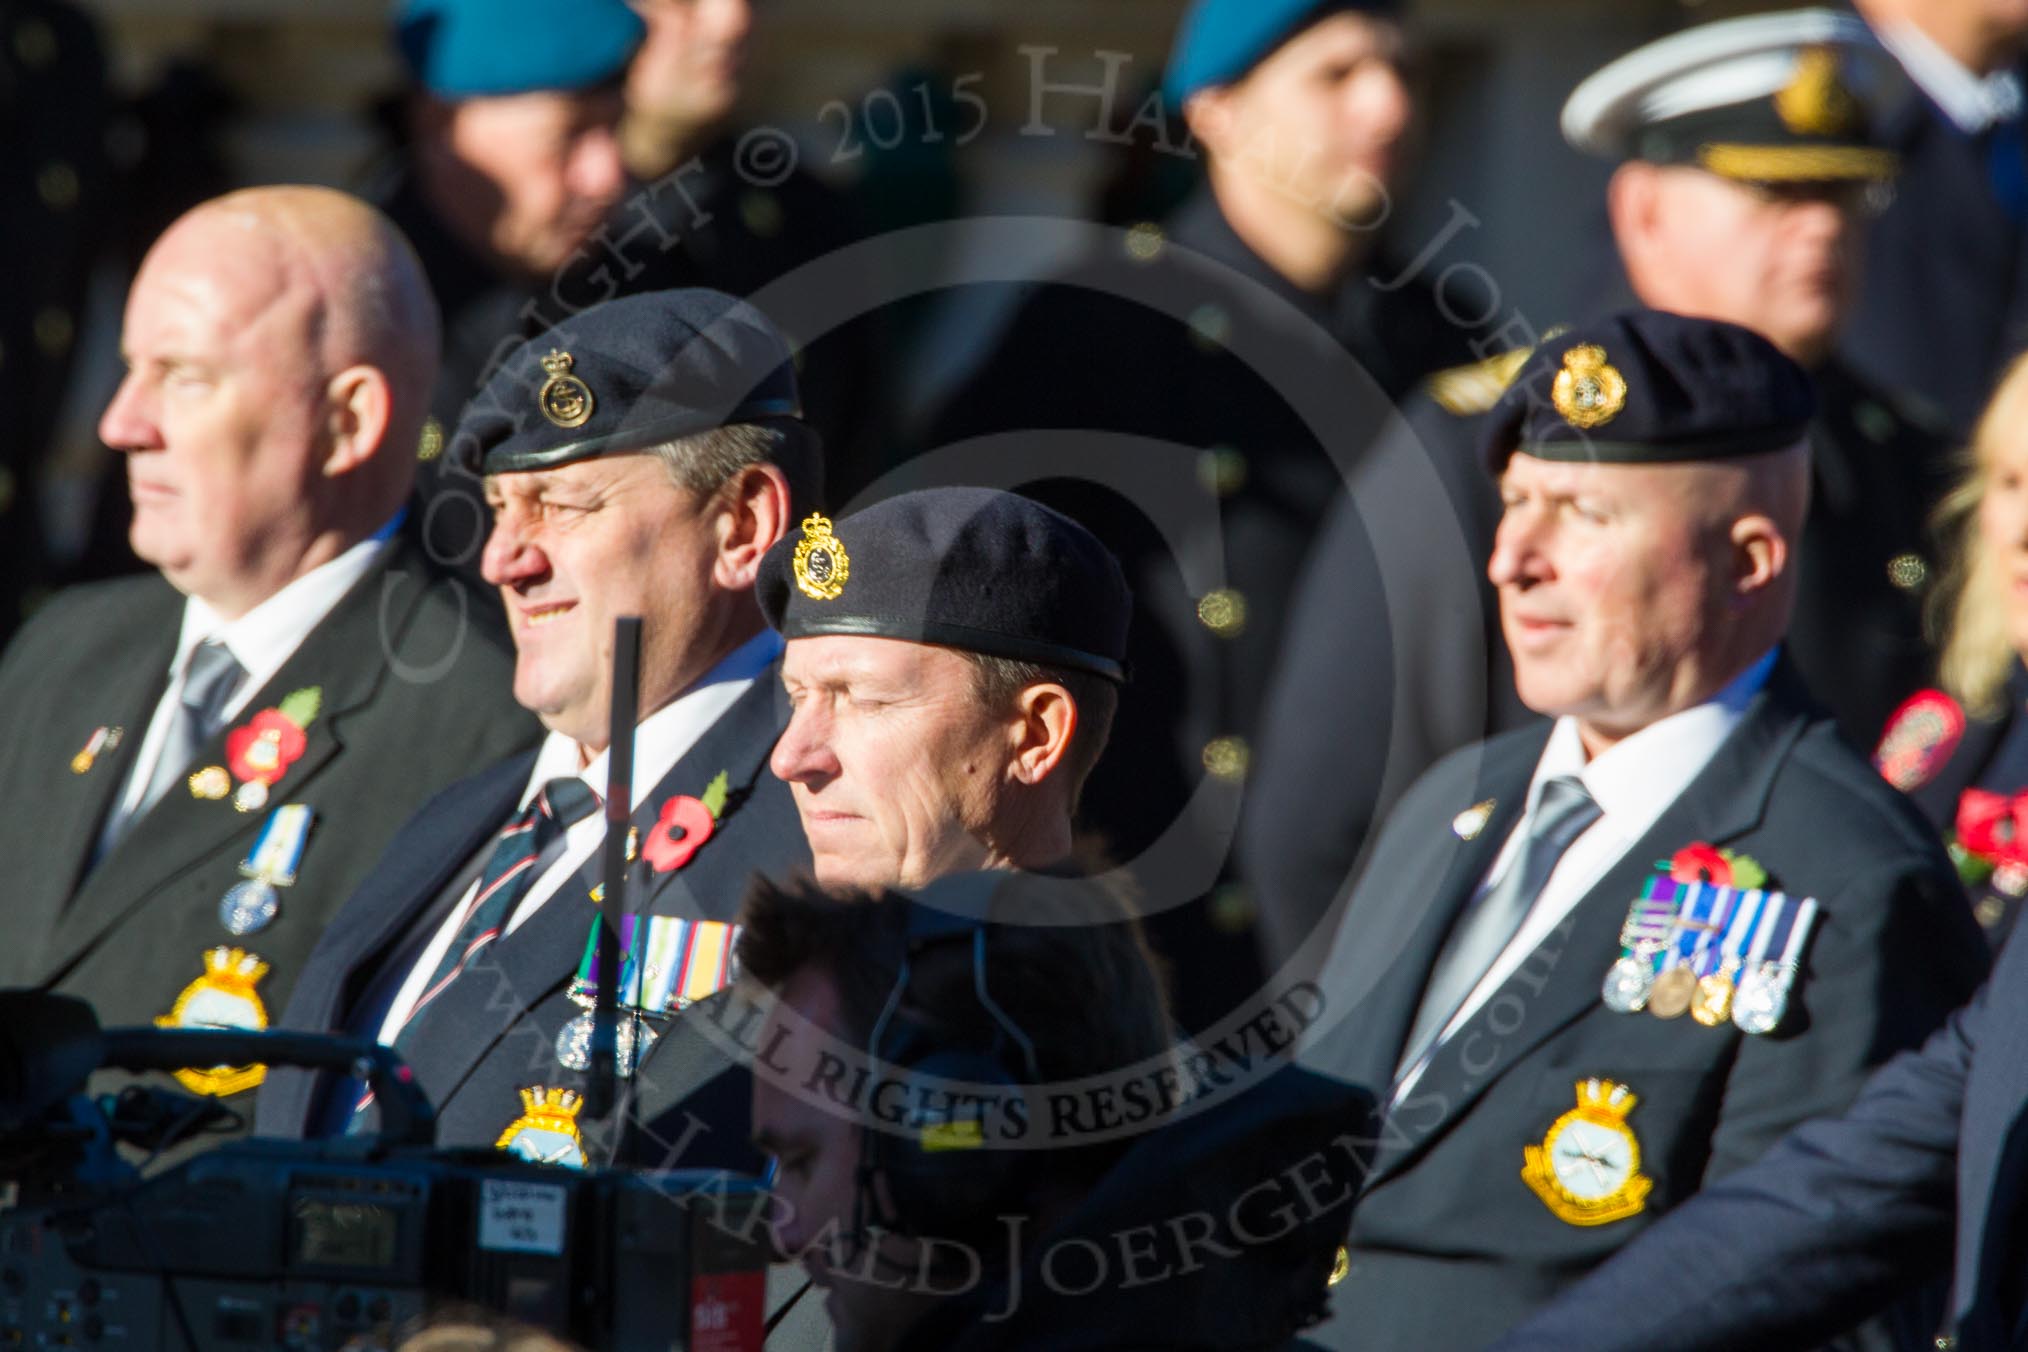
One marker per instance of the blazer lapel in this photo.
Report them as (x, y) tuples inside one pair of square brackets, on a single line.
[(131, 697), (1384, 950), (1559, 982), (523, 969), (181, 832)]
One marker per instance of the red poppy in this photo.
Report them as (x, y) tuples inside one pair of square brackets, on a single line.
[(264, 747), (685, 824), (1994, 825), (1700, 863)]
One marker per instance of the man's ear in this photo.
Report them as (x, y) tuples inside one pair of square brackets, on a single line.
[(1208, 113), (753, 514), (358, 408), (1633, 206), (1045, 722), (1760, 555)]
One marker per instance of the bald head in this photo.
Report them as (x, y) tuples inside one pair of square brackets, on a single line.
[(281, 345), (369, 303)]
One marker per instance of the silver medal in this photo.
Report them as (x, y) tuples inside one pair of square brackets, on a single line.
[(634, 1038), (1762, 998), (1627, 983), (249, 907)]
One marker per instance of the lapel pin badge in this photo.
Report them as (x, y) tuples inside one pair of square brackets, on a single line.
[(102, 740), (1472, 820)]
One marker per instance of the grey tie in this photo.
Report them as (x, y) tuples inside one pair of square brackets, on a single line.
[(1562, 814), (210, 679)]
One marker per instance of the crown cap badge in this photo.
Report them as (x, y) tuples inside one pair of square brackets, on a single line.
[(564, 399), (821, 564), (1588, 391)]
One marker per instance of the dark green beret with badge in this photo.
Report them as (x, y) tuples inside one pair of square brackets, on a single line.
[(972, 568), (1793, 97), (629, 375), (1650, 387)]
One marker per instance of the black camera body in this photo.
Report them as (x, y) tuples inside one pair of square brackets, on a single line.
[(315, 1246), (262, 1245)]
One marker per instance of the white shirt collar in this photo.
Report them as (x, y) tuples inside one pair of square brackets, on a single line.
[(663, 737), (1636, 779), (266, 636), (1972, 102)]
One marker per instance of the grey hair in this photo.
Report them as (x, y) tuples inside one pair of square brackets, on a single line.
[(705, 462)]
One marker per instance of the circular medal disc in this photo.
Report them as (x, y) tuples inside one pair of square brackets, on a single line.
[(1672, 993), (251, 796), (1758, 1005), (573, 1044), (249, 907), (1626, 987), (1713, 1002)]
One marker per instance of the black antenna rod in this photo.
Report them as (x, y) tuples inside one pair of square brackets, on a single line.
[(603, 1089)]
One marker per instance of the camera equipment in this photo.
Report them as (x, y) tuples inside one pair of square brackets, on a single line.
[(307, 1246)]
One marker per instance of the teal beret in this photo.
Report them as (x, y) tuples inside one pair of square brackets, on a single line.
[(461, 49), (1221, 40)]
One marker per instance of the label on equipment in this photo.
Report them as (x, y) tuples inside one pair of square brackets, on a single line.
[(519, 1217)]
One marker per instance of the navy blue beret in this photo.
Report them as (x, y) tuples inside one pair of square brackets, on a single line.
[(460, 49), (972, 568), (1221, 40), (1649, 387), (627, 375)]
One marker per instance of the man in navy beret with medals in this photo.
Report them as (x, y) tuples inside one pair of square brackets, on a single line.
[(1749, 157), (1595, 964), (641, 460)]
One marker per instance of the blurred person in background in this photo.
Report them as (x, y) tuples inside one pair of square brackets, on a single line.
[(1943, 301), (53, 202), (739, 220), (1961, 749), (512, 163), (1217, 336)]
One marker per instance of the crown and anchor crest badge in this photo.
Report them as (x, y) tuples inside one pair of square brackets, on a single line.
[(565, 400)]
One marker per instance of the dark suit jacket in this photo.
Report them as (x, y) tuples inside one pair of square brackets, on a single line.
[(1944, 301), (1847, 1211), (493, 1032), (417, 689), (1449, 1244)]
